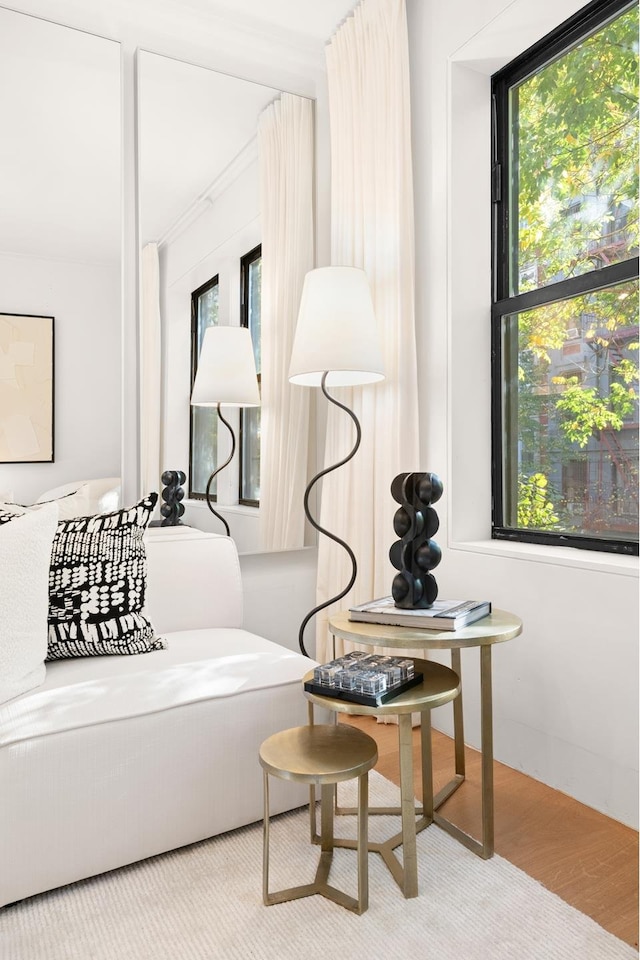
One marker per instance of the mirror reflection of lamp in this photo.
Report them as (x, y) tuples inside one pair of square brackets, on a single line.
[(336, 344), (226, 375)]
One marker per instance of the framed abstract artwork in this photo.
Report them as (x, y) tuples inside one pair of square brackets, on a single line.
[(26, 388)]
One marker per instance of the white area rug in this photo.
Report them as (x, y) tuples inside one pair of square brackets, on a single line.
[(204, 902)]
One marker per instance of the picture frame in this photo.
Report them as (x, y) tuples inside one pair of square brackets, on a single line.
[(27, 360)]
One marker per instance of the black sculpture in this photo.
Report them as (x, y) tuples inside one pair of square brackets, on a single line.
[(172, 494), (415, 554)]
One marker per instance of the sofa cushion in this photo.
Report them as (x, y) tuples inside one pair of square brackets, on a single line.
[(97, 584), (25, 551), (194, 580), (196, 665)]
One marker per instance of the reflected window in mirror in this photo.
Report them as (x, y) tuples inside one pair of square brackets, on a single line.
[(250, 312), (203, 439)]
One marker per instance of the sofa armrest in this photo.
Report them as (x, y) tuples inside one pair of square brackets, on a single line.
[(193, 581)]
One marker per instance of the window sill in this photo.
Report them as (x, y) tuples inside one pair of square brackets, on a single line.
[(237, 508), (560, 556)]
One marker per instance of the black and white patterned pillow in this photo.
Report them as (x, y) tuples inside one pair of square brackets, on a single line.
[(97, 585)]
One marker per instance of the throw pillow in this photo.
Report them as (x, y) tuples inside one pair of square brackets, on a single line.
[(73, 504), (97, 584), (84, 498), (25, 554)]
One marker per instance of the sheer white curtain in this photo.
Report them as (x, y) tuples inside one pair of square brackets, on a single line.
[(150, 371), (285, 149), (372, 228)]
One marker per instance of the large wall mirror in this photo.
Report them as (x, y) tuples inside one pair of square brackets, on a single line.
[(60, 256), (225, 174)]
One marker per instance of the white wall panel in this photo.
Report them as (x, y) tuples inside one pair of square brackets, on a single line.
[(566, 691)]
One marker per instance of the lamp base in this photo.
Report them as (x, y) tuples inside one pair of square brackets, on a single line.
[(215, 473), (317, 526)]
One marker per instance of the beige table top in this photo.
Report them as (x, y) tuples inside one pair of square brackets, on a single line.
[(439, 685), (322, 753), (497, 627)]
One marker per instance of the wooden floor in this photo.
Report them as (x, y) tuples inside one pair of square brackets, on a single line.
[(584, 857)]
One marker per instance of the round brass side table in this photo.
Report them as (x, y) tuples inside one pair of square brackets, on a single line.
[(439, 685), (498, 627), (321, 755)]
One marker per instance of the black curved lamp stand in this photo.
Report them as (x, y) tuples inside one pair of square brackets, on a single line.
[(317, 526), (218, 469)]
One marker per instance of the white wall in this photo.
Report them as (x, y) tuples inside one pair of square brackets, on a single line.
[(85, 301), (279, 589), (566, 691)]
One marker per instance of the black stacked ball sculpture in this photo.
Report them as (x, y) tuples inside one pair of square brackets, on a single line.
[(415, 554), (172, 494)]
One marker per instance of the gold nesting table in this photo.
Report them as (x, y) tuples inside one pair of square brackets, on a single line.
[(321, 755), (439, 685), (497, 627)]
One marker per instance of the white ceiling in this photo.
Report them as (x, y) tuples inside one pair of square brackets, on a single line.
[(193, 123), (313, 19), (60, 158)]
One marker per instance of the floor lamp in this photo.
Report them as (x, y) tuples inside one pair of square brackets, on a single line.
[(226, 375), (336, 344)]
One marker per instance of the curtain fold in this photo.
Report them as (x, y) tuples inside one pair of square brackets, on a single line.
[(285, 150), (371, 227), (150, 371)]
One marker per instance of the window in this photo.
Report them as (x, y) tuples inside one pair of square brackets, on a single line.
[(565, 286), (204, 420), (250, 300)]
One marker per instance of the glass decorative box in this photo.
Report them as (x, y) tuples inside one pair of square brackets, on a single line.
[(367, 678)]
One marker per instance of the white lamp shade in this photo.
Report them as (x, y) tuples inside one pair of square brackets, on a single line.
[(337, 331), (226, 369)]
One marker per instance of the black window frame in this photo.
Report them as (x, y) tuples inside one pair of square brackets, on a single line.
[(503, 303), (195, 296), (245, 264)]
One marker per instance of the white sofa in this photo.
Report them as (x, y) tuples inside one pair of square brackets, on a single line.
[(114, 759)]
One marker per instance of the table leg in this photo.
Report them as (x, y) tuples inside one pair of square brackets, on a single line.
[(458, 720), (409, 850), (458, 738), (320, 883), (484, 847), (363, 842), (413, 819), (265, 841), (315, 838), (326, 817), (486, 741), (427, 765)]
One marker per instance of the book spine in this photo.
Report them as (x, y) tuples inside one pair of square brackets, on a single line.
[(434, 624)]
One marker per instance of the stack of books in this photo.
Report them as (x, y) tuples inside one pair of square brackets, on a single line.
[(441, 615)]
